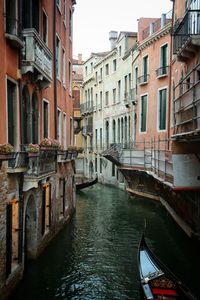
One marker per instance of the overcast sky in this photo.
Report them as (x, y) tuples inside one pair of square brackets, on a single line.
[(93, 19)]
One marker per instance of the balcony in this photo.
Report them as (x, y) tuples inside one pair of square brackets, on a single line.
[(86, 108), (18, 163), (87, 130), (162, 72), (186, 106), (13, 32), (37, 58), (142, 80), (186, 35)]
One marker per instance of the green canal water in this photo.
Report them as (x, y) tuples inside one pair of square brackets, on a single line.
[(95, 256)]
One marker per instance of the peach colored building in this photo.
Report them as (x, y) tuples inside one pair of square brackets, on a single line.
[(153, 73), (36, 182)]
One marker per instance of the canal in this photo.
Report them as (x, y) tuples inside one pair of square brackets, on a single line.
[(95, 256)]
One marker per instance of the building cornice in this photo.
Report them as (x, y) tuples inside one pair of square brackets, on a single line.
[(153, 38), (112, 53)]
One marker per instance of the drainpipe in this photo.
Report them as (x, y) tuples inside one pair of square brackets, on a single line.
[(170, 86), (54, 70), (19, 80)]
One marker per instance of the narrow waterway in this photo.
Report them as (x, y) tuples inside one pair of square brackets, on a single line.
[(95, 256)]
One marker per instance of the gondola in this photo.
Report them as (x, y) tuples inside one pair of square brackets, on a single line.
[(157, 281), (80, 186)]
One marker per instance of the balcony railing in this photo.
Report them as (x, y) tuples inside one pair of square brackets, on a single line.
[(37, 56), (43, 163), (150, 156), (162, 71), (186, 30), (86, 108), (143, 79), (87, 129), (186, 104)]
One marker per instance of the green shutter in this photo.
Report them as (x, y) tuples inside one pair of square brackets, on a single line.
[(162, 109), (143, 113)]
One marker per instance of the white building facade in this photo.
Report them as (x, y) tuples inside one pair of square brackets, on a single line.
[(108, 105)]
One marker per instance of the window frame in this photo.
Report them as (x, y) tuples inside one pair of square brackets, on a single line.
[(158, 109), (140, 128)]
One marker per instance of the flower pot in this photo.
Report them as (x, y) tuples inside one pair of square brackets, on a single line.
[(6, 156)]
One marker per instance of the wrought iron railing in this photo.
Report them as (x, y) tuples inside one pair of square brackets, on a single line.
[(19, 160), (143, 79), (186, 28), (162, 71)]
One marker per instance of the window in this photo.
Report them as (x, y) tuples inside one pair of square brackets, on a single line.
[(12, 236), (162, 101), (114, 65), (96, 77), (70, 23), (114, 96), (113, 169), (59, 126), (119, 90), (86, 71), (107, 98), (143, 113), (11, 24), (100, 167), (145, 68), (65, 131), (129, 83), (101, 140), (101, 99), (96, 137), (64, 12), (11, 111), (63, 68), (44, 28), (46, 208), (58, 3), (91, 67), (125, 86), (31, 14), (136, 80), (45, 119), (163, 59), (96, 101), (71, 131), (63, 194), (107, 70), (57, 57), (120, 51), (101, 74), (96, 170), (70, 78)]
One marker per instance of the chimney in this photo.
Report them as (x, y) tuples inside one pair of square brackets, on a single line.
[(163, 20), (79, 59), (113, 39)]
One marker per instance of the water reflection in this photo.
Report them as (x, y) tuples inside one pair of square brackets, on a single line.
[(95, 256)]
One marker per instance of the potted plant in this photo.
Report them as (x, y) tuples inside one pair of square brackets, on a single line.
[(80, 149), (56, 144), (6, 151), (46, 143), (33, 149)]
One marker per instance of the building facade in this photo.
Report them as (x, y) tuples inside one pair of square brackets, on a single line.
[(36, 180), (108, 106)]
